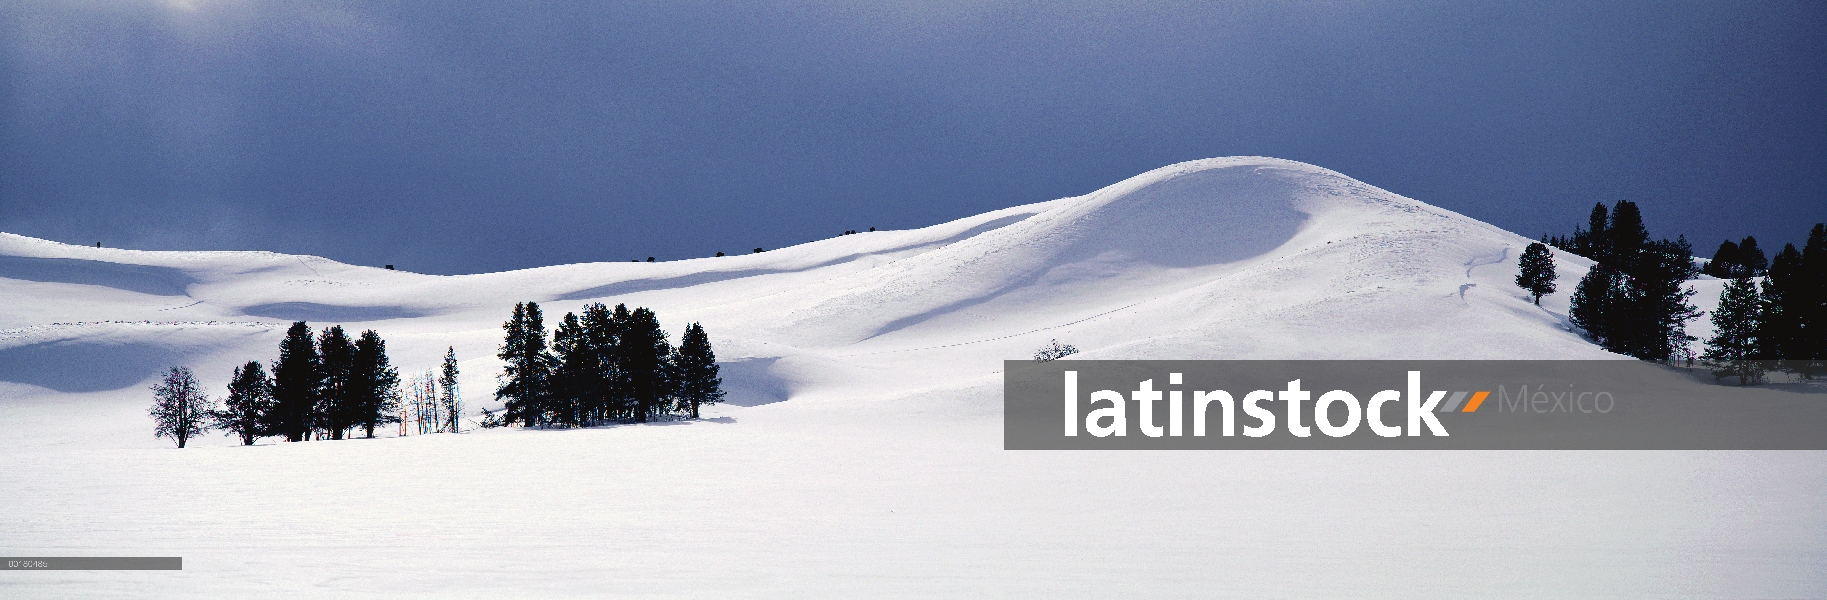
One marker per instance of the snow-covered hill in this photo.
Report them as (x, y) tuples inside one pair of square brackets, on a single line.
[(1222, 258), (881, 471)]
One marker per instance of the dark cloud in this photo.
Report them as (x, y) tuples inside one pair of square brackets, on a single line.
[(475, 136)]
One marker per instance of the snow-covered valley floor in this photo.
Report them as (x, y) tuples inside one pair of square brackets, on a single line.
[(861, 453)]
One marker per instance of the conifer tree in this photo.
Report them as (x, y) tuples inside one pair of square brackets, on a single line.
[(1536, 271), (1625, 237), (452, 396), (1734, 345), (179, 410), (1810, 353), (643, 353), (527, 376), (1751, 259), (1779, 331), (1658, 308), (1724, 261), (571, 379), (1590, 243), (374, 384), (695, 369), (247, 411), (297, 384), (1634, 301), (621, 387), (337, 408), (602, 395), (1591, 307)]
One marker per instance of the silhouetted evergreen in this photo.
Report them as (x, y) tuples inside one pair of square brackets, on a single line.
[(1724, 259), (620, 390), (1633, 301), (694, 367), (1660, 300), (605, 365), (374, 385), (1591, 242), (247, 411), (603, 396), (1808, 353), (1780, 331), (1743, 259), (641, 353), (337, 408), (1536, 271), (1734, 345), (1625, 236), (297, 384), (526, 382), (1593, 298), (571, 379), (453, 397), (1751, 258)]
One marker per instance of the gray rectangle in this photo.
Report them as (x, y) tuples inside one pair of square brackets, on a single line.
[(1507, 405), (92, 563)]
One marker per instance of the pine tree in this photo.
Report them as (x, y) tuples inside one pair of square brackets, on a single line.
[(571, 380), (512, 388), (179, 410), (1658, 308), (1594, 298), (695, 370), (1634, 301), (297, 384), (620, 391), (527, 375), (1625, 237), (452, 398), (603, 397), (1734, 346), (374, 384), (643, 353), (247, 411), (1724, 262), (1590, 243), (1809, 356), (1779, 330), (1536, 271), (337, 407), (1751, 260)]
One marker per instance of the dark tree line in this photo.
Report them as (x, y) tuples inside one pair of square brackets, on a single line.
[(605, 365), (1632, 301), (1743, 259), (1780, 324), (327, 387)]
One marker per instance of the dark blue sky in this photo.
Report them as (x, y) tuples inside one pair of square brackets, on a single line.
[(458, 136)]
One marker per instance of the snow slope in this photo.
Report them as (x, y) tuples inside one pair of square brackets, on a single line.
[(860, 453)]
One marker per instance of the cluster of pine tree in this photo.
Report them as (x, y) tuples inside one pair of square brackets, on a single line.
[(325, 387), (1633, 301), (1743, 259), (607, 365), (1782, 325)]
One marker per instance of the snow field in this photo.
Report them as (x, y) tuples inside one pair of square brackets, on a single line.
[(860, 454)]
